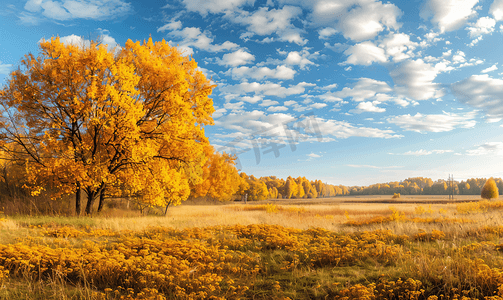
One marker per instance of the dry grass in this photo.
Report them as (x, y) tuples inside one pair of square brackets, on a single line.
[(336, 248), (331, 214)]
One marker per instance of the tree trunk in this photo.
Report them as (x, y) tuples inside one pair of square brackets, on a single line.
[(77, 200), (91, 196), (166, 211), (102, 199)]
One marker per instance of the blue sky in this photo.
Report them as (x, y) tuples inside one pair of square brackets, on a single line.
[(351, 92)]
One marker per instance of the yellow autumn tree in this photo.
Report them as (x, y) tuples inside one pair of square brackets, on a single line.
[(220, 179), (100, 122), (489, 190)]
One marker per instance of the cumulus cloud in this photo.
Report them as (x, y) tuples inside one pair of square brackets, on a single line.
[(234, 106), (266, 88), (194, 37), (173, 25), (490, 148), (281, 125), (357, 20), (490, 69), (204, 7), (300, 58), (365, 54), (318, 105), (259, 73), (398, 46), (481, 91), (326, 32), (75, 9), (268, 103), (79, 41), (5, 68), (266, 21), (483, 26), (343, 129), (367, 107), (414, 79), (277, 108), (422, 152), (236, 58), (496, 10), (434, 122), (448, 15), (364, 89)]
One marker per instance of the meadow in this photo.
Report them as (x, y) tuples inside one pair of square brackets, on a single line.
[(414, 247)]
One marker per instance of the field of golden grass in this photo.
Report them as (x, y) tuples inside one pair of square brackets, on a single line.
[(339, 248)]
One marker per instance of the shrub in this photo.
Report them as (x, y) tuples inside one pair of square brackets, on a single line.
[(396, 195), (489, 190)]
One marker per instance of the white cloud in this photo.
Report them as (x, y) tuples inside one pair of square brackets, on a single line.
[(318, 105), (398, 46), (251, 100), (106, 39), (265, 21), (313, 155), (79, 41), (367, 107), (422, 152), (343, 129), (491, 68), (493, 120), (459, 57), (496, 10), (218, 113), (415, 79), (234, 107), (268, 103), (261, 124), (326, 32), (490, 148), (193, 37), (289, 103), (174, 25), (365, 54), (215, 6), (75, 9), (448, 15), (236, 58), (277, 108), (481, 91), (267, 88), (364, 89), (75, 40), (5, 68), (483, 26), (255, 121), (300, 58), (434, 122), (357, 20), (259, 73)]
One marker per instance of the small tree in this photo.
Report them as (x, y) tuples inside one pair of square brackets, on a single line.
[(489, 190)]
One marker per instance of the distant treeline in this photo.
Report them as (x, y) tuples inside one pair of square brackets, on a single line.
[(272, 187), (426, 186)]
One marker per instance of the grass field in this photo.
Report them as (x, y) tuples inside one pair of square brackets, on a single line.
[(340, 248)]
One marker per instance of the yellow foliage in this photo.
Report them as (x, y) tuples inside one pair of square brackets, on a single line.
[(220, 179), (130, 124)]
